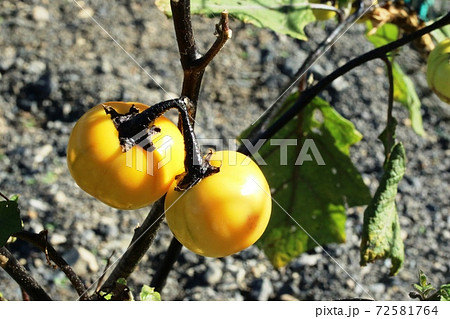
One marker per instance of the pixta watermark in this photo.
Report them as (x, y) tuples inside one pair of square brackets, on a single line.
[(291, 152)]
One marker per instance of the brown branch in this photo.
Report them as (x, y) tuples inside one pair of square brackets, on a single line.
[(192, 62), (194, 65), (223, 33), (18, 272), (40, 241)]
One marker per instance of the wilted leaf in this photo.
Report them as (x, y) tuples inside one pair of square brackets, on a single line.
[(10, 221), (285, 16), (312, 180), (381, 236)]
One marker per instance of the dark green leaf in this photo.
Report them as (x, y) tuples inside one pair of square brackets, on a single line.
[(10, 221), (284, 16), (381, 236), (312, 180), (149, 294)]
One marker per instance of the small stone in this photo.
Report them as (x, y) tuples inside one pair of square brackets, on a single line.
[(36, 67), (309, 260), (377, 289), (213, 274), (40, 14), (82, 261), (261, 289), (60, 197), (8, 58), (258, 270), (287, 297), (57, 239), (42, 153), (86, 13), (37, 262), (39, 205)]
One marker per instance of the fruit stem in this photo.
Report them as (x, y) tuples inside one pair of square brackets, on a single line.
[(133, 126)]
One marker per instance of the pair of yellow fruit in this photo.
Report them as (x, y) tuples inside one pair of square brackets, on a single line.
[(221, 215)]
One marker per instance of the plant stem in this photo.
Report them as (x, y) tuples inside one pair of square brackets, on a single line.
[(142, 239), (160, 277), (40, 241), (192, 62), (307, 95), (390, 122), (18, 272), (193, 65)]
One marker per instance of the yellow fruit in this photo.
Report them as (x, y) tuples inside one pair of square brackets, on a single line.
[(438, 70), (225, 212), (124, 180)]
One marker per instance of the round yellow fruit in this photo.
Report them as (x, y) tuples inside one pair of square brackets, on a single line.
[(438, 70), (225, 212), (123, 180)]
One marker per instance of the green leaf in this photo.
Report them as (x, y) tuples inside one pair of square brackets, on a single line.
[(387, 33), (10, 221), (149, 294), (404, 89), (423, 280), (405, 93), (444, 292), (439, 34), (284, 16), (381, 236), (313, 179)]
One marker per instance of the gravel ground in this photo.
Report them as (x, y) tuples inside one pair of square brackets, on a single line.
[(55, 63)]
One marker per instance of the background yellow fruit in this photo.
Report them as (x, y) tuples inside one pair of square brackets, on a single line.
[(438, 70)]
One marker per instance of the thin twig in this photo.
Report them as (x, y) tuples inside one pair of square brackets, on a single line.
[(390, 122), (101, 280), (264, 121), (192, 62), (4, 196), (223, 33), (18, 272), (40, 241), (160, 277), (307, 95)]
